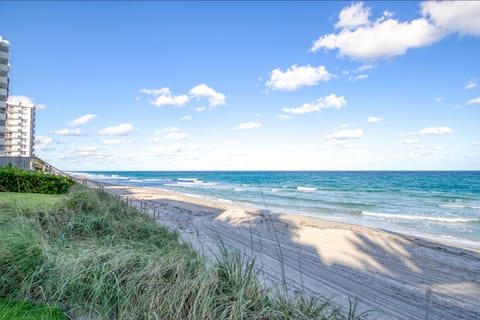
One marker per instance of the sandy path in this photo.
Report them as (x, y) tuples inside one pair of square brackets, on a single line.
[(397, 276)]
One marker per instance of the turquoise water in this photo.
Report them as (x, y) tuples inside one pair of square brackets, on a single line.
[(438, 204)]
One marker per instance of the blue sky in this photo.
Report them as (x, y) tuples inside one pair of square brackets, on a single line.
[(249, 85)]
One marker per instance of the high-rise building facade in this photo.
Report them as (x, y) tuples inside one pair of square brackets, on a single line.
[(17, 116), (20, 128), (4, 46)]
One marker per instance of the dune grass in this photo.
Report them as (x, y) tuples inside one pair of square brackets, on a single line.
[(20, 310), (91, 255)]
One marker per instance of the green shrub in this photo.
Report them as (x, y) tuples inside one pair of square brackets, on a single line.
[(19, 180)]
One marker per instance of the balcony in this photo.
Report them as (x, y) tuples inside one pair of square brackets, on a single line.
[(3, 55), (4, 69), (3, 82), (3, 92), (2, 116)]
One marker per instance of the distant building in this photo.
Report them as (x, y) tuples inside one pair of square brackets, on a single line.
[(20, 128), (4, 67), (17, 116)]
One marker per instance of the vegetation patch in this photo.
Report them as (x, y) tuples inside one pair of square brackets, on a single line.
[(93, 256), (18, 180), (21, 310)]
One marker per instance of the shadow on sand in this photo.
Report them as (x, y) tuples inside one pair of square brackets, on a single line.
[(398, 277)]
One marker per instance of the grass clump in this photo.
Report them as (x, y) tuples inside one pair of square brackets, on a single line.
[(21, 310), (93, 256)]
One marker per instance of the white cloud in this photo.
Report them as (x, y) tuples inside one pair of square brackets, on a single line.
[(470, 85), (346, 134), (410, 141), (120, 130), (43, 139), (330, 101), (473, 101), (169, 129), (385, 37), (344, 125), (438, 99), (203, 91), (435, 131), (354, 16), (232, 142), (200, 109), (363, 67), (44, 143), (85, 149), (176, 135), (284, 117), (39, 107), (164, 97), (422, 154), (365, 39), (80, 153), (454, 16), (249, 125), (172, 133), (69, 132), (374, 120), (296, 77), (187, 117), (82, 120), (167, 149), (115, 141), (359, 77)]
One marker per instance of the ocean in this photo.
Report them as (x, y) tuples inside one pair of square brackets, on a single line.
[(443, 205)]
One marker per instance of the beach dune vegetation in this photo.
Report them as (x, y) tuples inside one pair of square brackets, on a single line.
[(93, 256), (18, 180)]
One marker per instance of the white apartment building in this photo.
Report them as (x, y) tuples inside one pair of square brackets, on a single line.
[(20, 129), (17, 116), (4, 67)]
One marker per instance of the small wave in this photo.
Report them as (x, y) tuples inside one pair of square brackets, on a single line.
[(459, 206), (188, 179), (411, 217), (196, 183), (275, 190), (193, 195), (307, 189), (238, 189), (225, 200), (97, 176)]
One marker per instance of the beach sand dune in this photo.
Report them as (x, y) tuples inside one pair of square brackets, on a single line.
[(399, 277)]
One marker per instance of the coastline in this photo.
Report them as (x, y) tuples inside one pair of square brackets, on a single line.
[(399, 276), (436, 206)]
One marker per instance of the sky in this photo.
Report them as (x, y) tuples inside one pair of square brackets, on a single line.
[(236, 85)]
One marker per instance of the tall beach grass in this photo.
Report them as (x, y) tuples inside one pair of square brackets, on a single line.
[(95, 257)]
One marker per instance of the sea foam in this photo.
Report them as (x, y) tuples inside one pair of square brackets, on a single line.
[(412, 217)]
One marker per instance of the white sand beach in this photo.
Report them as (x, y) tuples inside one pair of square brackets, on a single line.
[(399, 277)]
